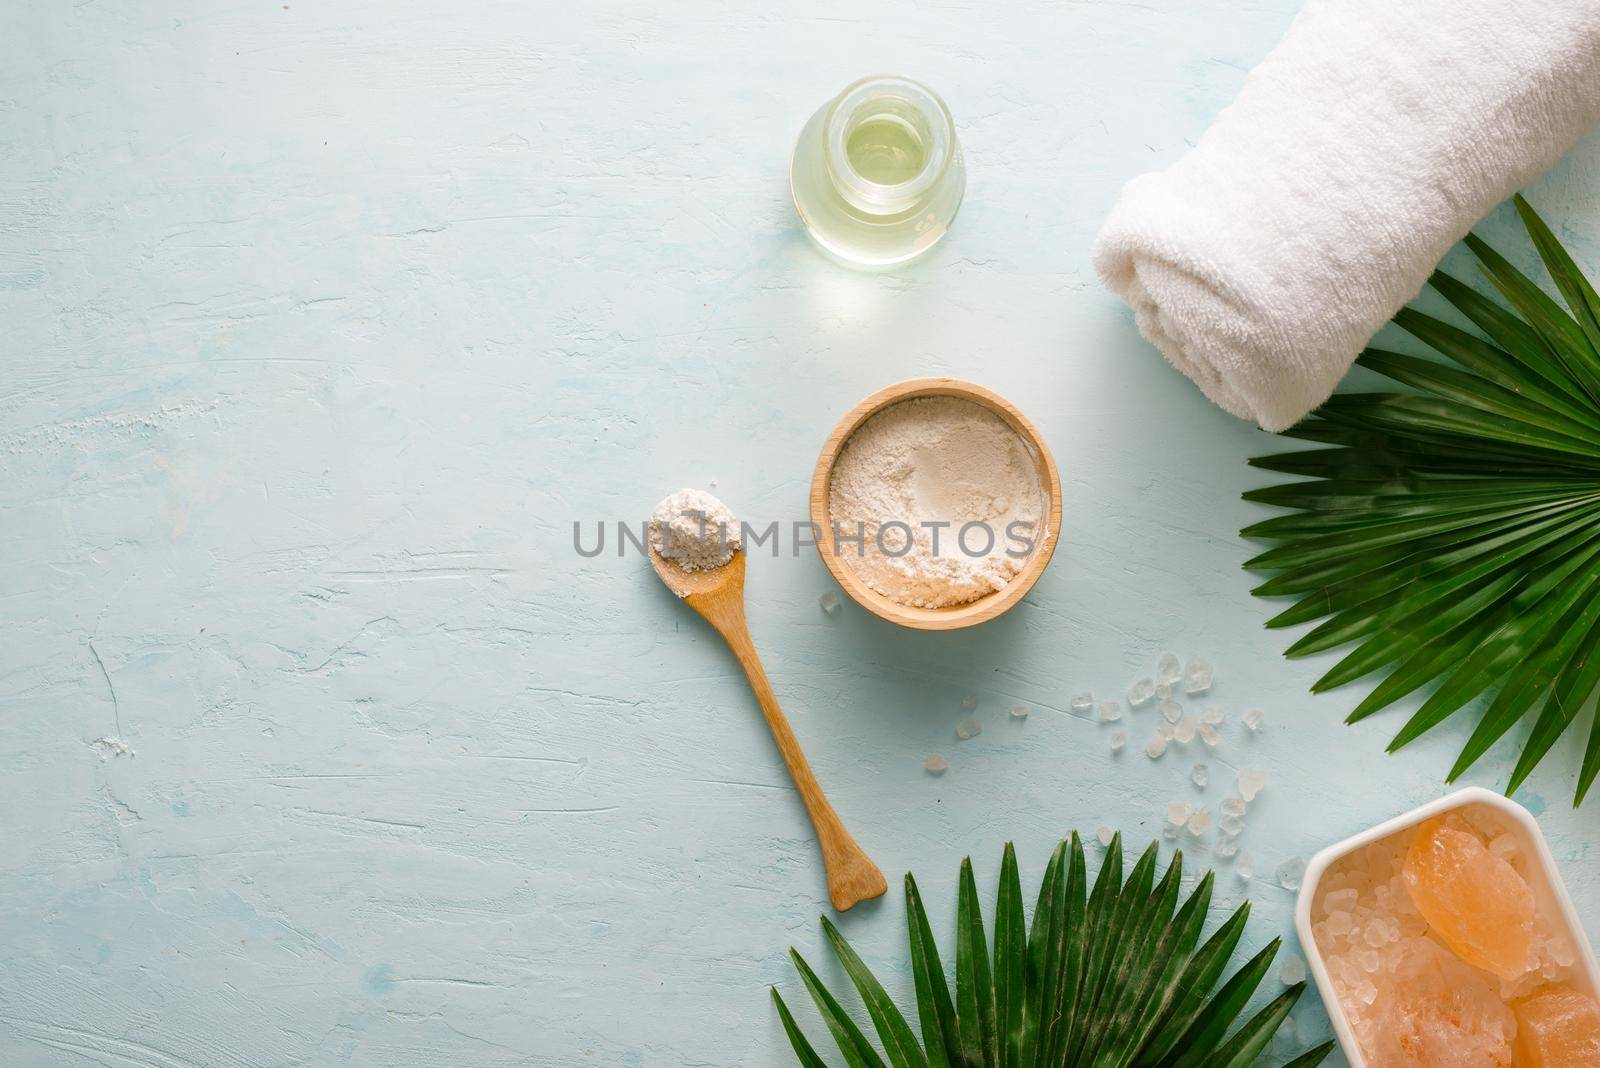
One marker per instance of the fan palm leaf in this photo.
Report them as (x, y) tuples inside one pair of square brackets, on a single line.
[(1111, 975), (1451, 533)]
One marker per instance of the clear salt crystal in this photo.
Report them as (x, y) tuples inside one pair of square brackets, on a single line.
[(1293, 970), (1168, 670), (1178, 813), (1171, 711), (1253, 720), (1141, 693), (1201, 774), (969, 702), (1232, 826), (1340, 901), (968, 728), (1232, 806), (1245, 866), (1200, 823), (1227, 847), (1156, 748), (1118, 741), (1290, 872), (1503, 846), (1251, 783), (936, 765), (1170, 832), (1019, 712), (830, 602), (1081, 703), (1209, 735), (1197, 675), (1214, 715), (1164, 730), (1105, 834), (1110, 711), (1184, 730)]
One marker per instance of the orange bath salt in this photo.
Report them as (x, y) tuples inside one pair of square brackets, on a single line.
[(1474, 901), (1557, 1027)]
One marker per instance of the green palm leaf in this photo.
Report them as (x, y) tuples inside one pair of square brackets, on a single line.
[(1452, 533), (1107, 977)]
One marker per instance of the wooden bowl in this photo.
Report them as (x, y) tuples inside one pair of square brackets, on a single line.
[(956, 616)]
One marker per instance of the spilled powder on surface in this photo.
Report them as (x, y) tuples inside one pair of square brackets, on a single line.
[(935, 460)]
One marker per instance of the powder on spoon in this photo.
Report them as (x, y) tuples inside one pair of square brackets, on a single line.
[(912, 477), (694, 530)]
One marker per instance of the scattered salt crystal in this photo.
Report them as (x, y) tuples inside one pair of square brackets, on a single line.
[(936, 765), (1168, 670), (1110, 711), (1178, 813), (1227, 847), (829, 602), (1141, 693), (1184, 730), (1118, 741), (1209, 735), (1199, 823), (969, 702), (1201, 774), (1156, 748), (1251, 783), (1019, 712), (1164, 729), (1293, 970), (1197, 675), (1082, 703), (968, 728), (1230, 825), (1171, 711), (1232, 806), (1245, 866), (1214, 715), (1163, 691), (1253, 720), (1290, 872), (1105, 834), (1169, 832)]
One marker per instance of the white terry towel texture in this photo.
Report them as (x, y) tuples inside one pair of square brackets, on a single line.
[(1368, 142)]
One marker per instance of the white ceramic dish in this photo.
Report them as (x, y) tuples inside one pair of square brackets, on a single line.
[(1552, 896)]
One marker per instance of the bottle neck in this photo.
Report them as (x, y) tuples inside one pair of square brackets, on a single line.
[(887, 142)]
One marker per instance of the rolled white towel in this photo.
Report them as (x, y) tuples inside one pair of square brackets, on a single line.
[(1367, 142)]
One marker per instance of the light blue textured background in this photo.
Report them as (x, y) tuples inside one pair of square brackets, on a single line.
[(324, 322)]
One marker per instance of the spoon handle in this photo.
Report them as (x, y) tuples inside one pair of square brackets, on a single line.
[(852, 876)]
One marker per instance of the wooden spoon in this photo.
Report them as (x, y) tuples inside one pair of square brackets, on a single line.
[(718, 595)]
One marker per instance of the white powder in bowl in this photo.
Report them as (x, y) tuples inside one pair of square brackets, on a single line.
[(933, 466), (694, 530)]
